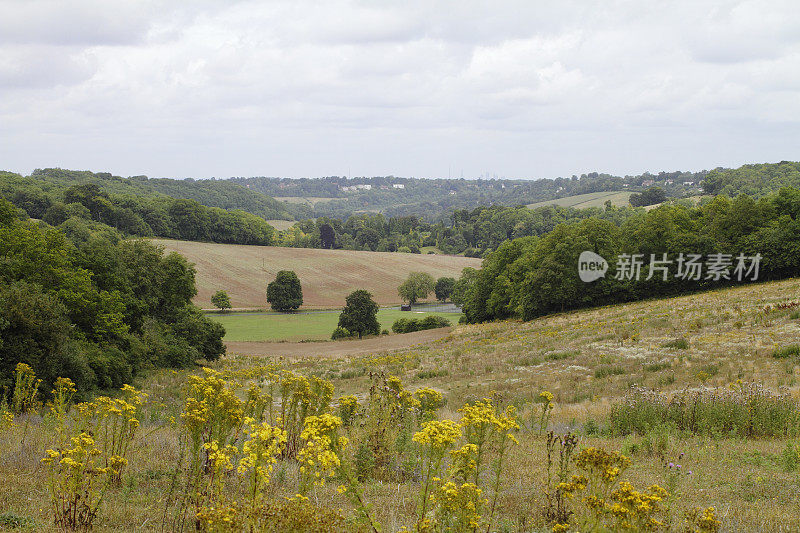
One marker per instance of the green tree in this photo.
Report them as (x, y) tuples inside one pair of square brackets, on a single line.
[(285, 293), (221, 300), (360, 314), (444, 288), (417, 286)]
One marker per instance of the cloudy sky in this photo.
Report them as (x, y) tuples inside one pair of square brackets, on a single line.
[(522, 89)]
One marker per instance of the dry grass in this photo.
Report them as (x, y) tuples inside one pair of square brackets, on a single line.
[(730, 336), (327, 276)]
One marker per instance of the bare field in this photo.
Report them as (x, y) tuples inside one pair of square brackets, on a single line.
[(327, 276)]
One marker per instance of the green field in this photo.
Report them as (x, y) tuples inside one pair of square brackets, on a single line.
[(301, 326), (592, 199)]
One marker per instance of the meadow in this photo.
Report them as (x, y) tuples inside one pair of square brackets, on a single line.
[(678, 414), (327, 276), (315, 325), (592, 199)]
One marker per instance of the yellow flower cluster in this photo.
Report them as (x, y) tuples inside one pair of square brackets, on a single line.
[(602, 464), (26, 386), (6, 418), (429, 401), (699, 520), (438, 434), (319, 455), (259, 453), (636, 510), (348, 407), (459, 506), (211, 408)]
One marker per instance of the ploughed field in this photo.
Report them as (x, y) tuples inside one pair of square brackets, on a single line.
[(707, 381), (327, 276)]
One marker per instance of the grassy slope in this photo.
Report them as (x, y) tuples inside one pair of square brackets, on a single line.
[(302, 326), (730, 336), (327, 276), (593, 199)]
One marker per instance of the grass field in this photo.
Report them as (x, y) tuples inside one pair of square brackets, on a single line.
[(587, 359), (301, 326), (594, 199), (327, 276), (281, 225), (309, 200)]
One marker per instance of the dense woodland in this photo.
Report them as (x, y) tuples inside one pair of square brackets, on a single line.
[(531, 276), (94, 307)]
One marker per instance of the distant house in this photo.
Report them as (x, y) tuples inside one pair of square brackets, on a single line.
[(364, 187), (688, 183), (398, 186), (452, 192), (668, 182), (648, 183)]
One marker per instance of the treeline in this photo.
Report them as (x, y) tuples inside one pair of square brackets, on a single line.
[(94, 307), (530, 276), (133, 214), (473, 232), (433, 200), (754, 180)]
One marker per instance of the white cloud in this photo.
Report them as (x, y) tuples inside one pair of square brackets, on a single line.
[(313, 88)]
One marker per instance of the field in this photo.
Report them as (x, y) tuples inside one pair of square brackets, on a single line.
[(281, 225), (327, 276), (316, 325), (589, 360), (593, 199), (310, 200)]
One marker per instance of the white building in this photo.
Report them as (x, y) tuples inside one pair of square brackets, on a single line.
[(398, 186)]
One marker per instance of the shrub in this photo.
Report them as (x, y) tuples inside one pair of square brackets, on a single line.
[(340, 333), (606, 370), (408, 325), (678, 344), (792, 350)]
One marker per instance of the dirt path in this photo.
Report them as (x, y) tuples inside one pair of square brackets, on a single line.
[(294, 350)]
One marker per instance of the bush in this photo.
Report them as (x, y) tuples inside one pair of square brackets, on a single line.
[(340, 333), (408, 325), (678, 344)]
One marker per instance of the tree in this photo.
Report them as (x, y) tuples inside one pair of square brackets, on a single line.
[(285, 293), (360, 314), (417, 286), (327, 236), (221, 300), (444, 288)]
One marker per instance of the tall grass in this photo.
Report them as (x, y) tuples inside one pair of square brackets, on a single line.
[(743, 410)]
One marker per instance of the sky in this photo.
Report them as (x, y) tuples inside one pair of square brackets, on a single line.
[(526, 89)]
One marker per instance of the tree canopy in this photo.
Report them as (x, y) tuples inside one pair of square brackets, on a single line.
[(417, 286), (360, 314), (285, 293)]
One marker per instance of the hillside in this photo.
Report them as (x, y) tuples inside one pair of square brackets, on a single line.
[(594, 199), (327, 276)]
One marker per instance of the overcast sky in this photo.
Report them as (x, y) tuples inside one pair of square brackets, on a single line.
[(522, 89)]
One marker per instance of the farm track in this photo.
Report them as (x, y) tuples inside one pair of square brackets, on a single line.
[(336, 349)]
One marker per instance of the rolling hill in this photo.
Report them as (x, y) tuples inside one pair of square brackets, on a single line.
[(327, 276), (592, 199)]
